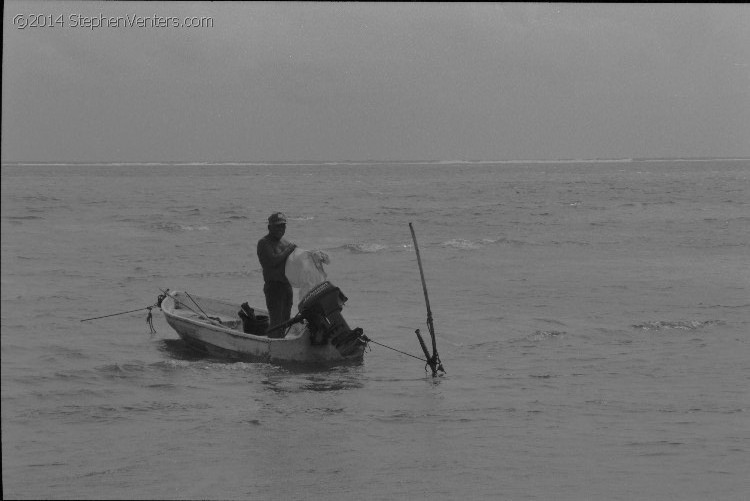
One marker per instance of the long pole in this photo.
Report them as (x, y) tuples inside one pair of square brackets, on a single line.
[(433, 361)]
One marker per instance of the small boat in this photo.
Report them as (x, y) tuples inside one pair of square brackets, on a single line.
[(318, 334)]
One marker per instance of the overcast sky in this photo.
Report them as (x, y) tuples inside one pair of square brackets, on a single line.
[(358, 81)]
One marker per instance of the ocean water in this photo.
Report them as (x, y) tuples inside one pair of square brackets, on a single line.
[(592, 317)]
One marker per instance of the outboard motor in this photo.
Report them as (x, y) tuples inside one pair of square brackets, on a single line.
[(321, 307)]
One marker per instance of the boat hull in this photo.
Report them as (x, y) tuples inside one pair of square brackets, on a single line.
[(219, 333)]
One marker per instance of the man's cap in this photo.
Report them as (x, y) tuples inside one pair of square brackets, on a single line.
[(276, 218)]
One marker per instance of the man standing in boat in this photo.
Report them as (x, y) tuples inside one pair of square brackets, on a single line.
[(273, 249)]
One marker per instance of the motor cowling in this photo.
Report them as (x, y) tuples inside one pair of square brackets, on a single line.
[(321, 307)]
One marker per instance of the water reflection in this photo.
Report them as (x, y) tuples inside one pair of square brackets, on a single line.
[(316, 379)]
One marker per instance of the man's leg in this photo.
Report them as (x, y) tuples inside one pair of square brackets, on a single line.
[(275, 297), (288, 300)]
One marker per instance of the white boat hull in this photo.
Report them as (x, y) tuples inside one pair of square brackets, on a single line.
[(224, 337)]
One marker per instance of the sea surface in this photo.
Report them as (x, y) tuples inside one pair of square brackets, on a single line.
[(593, 319)]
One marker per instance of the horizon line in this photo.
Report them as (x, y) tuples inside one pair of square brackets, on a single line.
[(350, 162)]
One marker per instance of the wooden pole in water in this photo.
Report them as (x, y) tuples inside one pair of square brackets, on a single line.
[(424, 347), (433, 361)]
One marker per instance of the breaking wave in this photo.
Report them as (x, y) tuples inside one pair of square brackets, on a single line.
[(461, 243), (171, 227), (542, 335), (688, 325), (365, 248)]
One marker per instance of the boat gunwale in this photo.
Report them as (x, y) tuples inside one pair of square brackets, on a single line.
[(204, 323)]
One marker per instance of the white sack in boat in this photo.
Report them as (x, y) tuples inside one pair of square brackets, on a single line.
[(304, 269)]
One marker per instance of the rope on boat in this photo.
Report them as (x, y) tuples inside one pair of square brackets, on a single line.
[(150, 316), (150, 320), (196, 304), (177, 301), (115, 314), (166, 293)]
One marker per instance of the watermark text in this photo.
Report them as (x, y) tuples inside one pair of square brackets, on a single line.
[(31, 21)]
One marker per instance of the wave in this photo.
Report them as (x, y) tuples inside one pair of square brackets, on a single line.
[(120, 370), (40, 198), (363, 248), (171, 227), (234, 214), (181, 354), (358, 220), (730, 306), (542, 335), (23, 218), (165, 226), (690, 325), (460, 243), (397, 211), (464, 244), (186, 210)]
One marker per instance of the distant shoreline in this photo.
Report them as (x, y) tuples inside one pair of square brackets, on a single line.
[(372, 162)]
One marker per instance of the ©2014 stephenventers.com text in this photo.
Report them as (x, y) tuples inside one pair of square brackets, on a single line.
[(27, 21)]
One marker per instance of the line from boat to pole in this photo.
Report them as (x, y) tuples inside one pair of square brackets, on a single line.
[(368, 340), (115, 314)]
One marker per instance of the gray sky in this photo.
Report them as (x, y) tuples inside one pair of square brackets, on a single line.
[(357, 81)]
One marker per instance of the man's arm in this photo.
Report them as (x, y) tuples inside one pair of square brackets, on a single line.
[(268, 256)]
